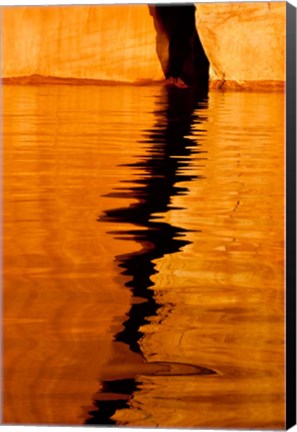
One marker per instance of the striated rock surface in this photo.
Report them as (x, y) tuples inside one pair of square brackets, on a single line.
[(245, 42), (104, 42)]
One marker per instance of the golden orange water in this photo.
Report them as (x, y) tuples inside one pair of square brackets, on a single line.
[(98, 180)]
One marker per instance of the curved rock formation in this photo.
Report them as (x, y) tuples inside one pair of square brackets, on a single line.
[(244, 42)]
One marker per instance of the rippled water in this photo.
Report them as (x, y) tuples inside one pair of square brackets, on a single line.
[(143, 257)]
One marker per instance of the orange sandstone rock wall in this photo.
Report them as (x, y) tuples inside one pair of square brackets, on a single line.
[(245, 42), (107, 42)]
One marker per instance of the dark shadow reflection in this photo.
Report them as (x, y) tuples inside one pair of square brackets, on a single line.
[(167, 160)]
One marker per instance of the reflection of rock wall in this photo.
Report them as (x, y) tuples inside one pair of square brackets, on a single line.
[(244, 42), (99, 42)]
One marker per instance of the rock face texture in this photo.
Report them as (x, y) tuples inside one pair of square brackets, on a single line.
[(244, 42), (104, 42)]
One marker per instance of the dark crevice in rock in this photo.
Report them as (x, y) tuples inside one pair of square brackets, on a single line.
[(178, 44)]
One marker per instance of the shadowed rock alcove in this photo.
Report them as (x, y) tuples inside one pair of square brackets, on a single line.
[(178, 44)]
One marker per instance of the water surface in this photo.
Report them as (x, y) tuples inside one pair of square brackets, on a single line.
[(143, 257)]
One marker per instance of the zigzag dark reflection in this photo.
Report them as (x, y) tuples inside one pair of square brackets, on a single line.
[(169, 149), (169, 155)]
